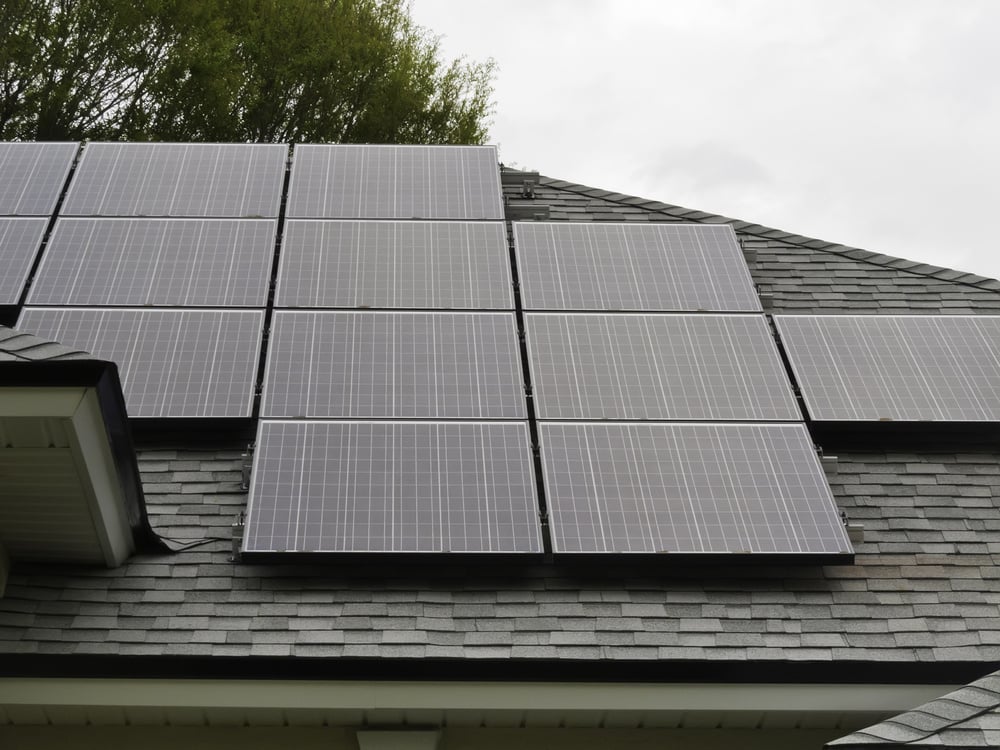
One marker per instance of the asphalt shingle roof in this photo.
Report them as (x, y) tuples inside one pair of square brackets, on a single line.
[(966, 718), (925, 586), (16, 346)]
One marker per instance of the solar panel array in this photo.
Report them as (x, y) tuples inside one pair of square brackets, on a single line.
[(394, 412), (399, 239), (176, 227), (895, 368), (33, 176), (395, 182), (655, 267), (657, 367), (395, 264), (172, 363), (20, 239), (393, 487), (675, 443), (178, 179), (688, 489), (161, 262)]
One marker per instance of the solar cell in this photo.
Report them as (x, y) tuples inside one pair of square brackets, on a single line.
[(33, 175), (395, 182), (656, 367), (687, 488), (173, 262), (19, 243), (604, 266), (380, 364), (427, 264), (241, 180), (392, 487), (900, 368), (172, 363)]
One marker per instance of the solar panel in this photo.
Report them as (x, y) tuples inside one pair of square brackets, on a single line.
[(395, 182), (380, 364), (900, 368), (176, 262), (687, 488), (392, 487), (172, 363), (19, 243), (656, 367), (575, 266), (241, 180), (427, 264), (32, 176)]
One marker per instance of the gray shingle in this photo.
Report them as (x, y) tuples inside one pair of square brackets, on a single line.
[(925, 584)]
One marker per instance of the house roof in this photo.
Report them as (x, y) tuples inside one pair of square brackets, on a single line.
[(17, 346), (923, 594), (920, 603), (966, 718)]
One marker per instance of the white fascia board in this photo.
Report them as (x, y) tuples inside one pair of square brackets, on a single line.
[(521, 696), (92, 448), (78, 412), (41, 402)]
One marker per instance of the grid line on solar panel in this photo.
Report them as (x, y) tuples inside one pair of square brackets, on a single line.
[(687, 488), (392, 487), (158, 262), (895, 368), (20, 239), (606, 266), (33, 176), (172, 363), (383, 364), (383, 264), (394, 182), (656, 367), (240, 180)]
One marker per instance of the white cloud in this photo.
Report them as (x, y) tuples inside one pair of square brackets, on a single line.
[(868, 123)]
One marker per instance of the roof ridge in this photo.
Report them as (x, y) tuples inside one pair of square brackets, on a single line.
[(923, 734), (917, 268), (27, 347)]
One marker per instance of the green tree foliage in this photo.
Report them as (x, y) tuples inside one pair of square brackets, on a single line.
[(233, 70)]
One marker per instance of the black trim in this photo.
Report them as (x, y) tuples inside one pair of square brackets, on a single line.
[(494, 670), (953, 437), (192, 432), (520, 563), (8, 315)]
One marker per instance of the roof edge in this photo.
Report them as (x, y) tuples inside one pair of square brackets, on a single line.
[(501, 670), (769, 233)]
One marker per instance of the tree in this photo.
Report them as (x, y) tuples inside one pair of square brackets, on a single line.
[(233, 70)]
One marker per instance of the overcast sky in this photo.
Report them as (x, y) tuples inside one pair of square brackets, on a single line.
[(874, 123)]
